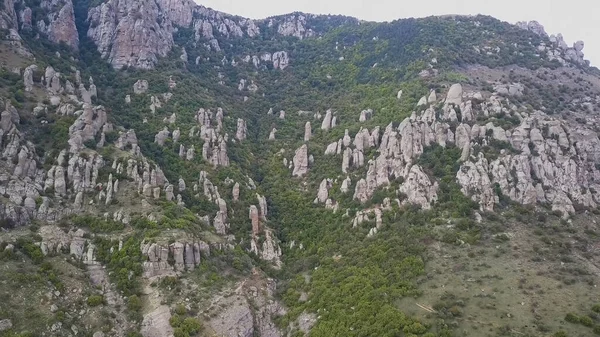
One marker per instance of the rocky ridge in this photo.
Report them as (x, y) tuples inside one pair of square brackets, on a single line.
[(542, 159)]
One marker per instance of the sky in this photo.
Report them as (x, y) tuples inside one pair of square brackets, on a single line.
[(575, 19)]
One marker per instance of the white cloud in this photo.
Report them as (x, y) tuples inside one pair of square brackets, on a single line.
[(575, 19)]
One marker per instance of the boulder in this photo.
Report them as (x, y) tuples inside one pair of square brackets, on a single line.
[(454, 95)]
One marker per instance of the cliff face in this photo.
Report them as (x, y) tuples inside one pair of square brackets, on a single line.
[(59, 22), (137, 33), (128, 33)]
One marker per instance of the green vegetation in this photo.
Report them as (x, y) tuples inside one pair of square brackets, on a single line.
[(591, 321), (95, 300), (443, 163), (96, 224), (184, 326), (125, 265)]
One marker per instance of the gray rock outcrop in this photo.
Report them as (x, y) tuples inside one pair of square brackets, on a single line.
[(236, 192), (300, 161), (140, 87), (326, 124), (186, 256), (307, 132), (59, 25), (242, 130), (28, 77), (254, 219)]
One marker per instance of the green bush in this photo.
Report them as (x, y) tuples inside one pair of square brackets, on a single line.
[(586, 320), (185, 327), (95, 300), (571, 318), (175, 321), (134, 303), (179, 332), (191, 325), (415, 328), (125, 265), (180, 309), (96, 224), (29, 248), (90, 143)]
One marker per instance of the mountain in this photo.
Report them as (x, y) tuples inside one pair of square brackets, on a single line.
[(171, 170)]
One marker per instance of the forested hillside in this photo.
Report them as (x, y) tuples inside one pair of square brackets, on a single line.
[(171, 170)]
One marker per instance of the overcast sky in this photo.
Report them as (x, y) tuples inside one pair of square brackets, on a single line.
[(575, 19)]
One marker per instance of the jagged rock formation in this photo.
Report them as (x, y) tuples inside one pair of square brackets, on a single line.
[(220, 221), (185, 256), (323, 193), (242, 130), (329, 121), (300, 161), (137, 33), (255, 221), (129, 34), (87, 126), (59, 25), (235, 193), (551, 162), (140, 87), (270, 250), (307, 132), (558, 48), (55, 241), (28, 77), (262, 203), (365, 115)]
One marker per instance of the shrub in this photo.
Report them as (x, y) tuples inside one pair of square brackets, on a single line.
[(134, 303), (586, 320), (29, 248), (175, 321), (571, 318), (191, 325), (415, 328), (180, 309), (90, 143), (178, 332), (95, 300), (185, 327)]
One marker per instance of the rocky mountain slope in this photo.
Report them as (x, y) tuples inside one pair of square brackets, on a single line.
[(170, 170)]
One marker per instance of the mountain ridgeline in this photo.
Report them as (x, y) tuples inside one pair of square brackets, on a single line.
[(171, 170)]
